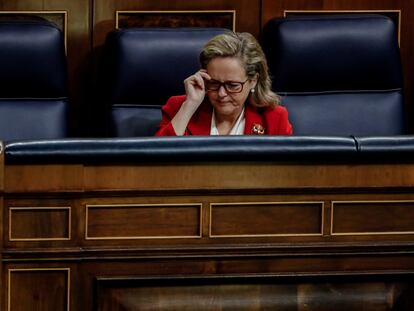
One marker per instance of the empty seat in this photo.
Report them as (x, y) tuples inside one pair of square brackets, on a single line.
[(337, 74), (33, 79)]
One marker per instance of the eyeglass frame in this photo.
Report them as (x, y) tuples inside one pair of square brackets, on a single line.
[(225, 87)]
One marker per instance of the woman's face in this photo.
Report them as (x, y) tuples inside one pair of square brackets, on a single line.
[(228, 69)]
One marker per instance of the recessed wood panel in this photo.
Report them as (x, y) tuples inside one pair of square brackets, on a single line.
[(254, 294), (143, 221), (38, 289), (39, 223), (378, 217), (266, 219), (171, 19), (59, 18), (247, 12)]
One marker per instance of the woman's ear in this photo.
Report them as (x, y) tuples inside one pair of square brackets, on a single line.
[(254, 81)]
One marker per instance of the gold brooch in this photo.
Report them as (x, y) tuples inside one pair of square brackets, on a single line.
[(258, 129)]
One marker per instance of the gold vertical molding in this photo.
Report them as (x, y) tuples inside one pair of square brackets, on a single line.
[(120, 12), (327, 12), (46, 12), (10, 271)]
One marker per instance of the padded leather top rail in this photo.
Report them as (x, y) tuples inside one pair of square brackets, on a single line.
[(183, 149)]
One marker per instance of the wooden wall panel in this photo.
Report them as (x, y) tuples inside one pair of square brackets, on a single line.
[(196, 18), (272, 8), (247, 12), (45, 289)]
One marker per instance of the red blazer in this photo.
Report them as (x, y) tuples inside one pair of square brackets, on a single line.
[(267, 121)]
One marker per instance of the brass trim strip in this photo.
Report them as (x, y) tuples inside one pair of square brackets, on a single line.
[(368, 233), (11, 208), (65, 20), (286, 13), (117, 13), (322, 204), (38, 269), (199, 205)]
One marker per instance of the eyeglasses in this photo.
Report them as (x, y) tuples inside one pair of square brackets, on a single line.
[(230, 86)]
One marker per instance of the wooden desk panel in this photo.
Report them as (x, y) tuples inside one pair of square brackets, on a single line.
[(309, 229), (143, 221)]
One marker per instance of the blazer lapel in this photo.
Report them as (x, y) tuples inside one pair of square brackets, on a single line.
[(252, 119), (200, 123)]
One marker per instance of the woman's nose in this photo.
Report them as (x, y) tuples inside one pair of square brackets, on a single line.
[(222, 91)]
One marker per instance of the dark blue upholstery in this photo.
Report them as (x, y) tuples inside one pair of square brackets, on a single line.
[(33, 92), (337, 74), (191, 149), (394, 149), (187, 149), (144, 67)]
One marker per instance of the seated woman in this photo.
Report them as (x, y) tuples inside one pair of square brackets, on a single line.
[(230, 95)]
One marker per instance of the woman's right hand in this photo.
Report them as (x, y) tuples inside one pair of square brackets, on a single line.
[(195, 92), (195, 87)]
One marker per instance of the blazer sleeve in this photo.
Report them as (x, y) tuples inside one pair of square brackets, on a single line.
[(285, 128), (278, 119), (169, 110)]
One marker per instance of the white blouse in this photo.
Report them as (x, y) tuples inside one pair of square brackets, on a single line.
[(237, 129)]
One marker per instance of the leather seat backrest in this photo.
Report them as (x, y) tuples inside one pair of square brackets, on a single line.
[(33, 79), (337, 75), (143, 68)]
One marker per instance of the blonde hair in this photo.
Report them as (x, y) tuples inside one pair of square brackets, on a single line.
[(246, 48)]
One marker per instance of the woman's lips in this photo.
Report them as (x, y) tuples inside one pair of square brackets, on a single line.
[(223, 103)]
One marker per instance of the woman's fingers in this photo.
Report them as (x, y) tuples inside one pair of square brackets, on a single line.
[(197, 79), (203, 73)]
